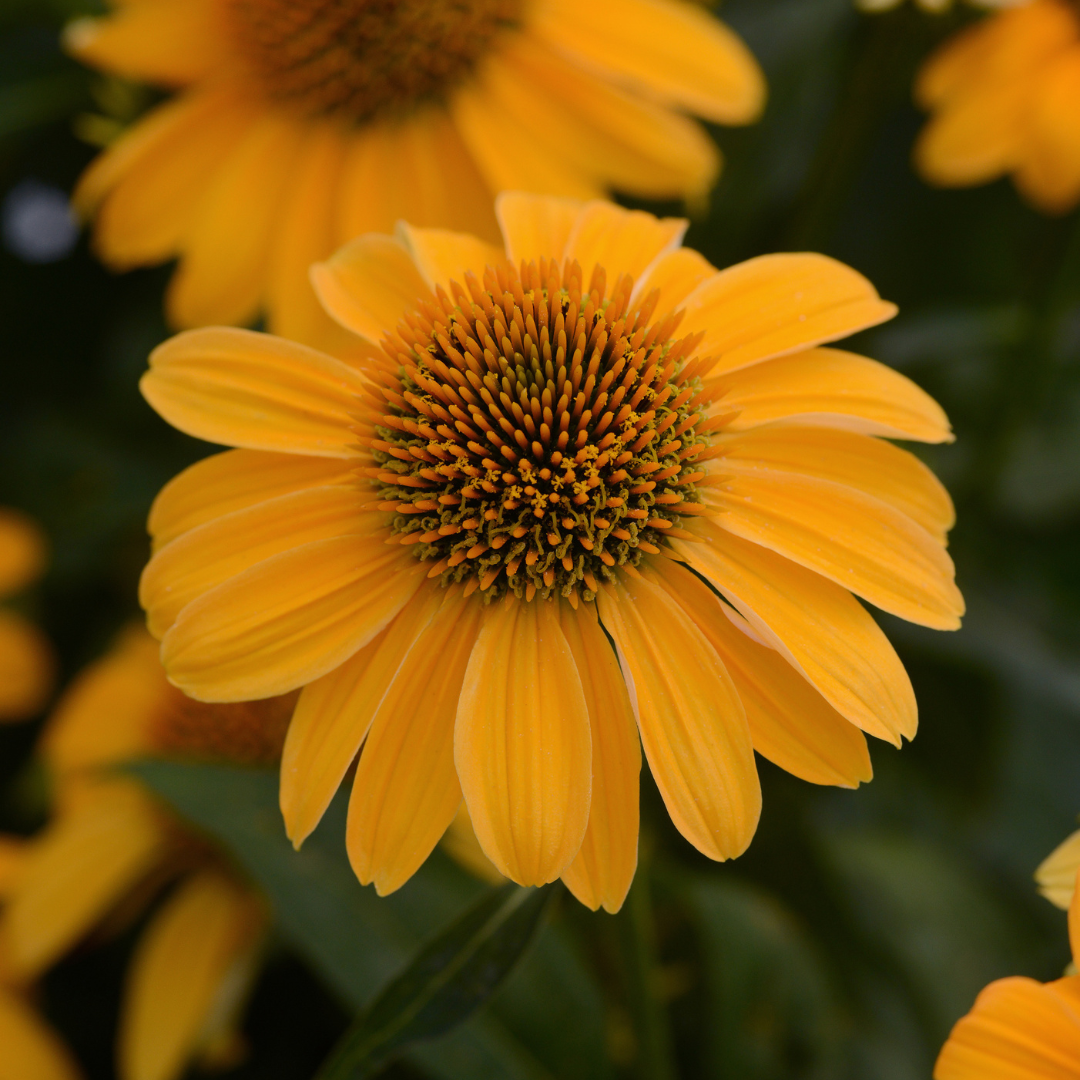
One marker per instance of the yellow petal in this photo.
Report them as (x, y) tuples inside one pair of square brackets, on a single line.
[(693, 726), (369, 285), (1074, 927), (159, 178), (107, 712), (288, 620), (1017, 1029), (223, 483), (522, 744), (13, 852), (778, 304), (190, 961), (304, 232), (509, 156), (417, 170), (254, 391), (442, 256), (601, 873), (831, 388), (535, 226), (673, 51), (406, 790), (167, 43), (870, 465), (210, 554), (621, 241), (818, 626), (859, 542), (1049, 175), (31, 1050), (791, 724), (223, 273), (83, 863), (675, 274), (460, 843), (334, 713), (22, 551), (27, 668), (1056, 875)]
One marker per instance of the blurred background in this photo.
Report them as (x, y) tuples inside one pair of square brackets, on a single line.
[(860, 925)]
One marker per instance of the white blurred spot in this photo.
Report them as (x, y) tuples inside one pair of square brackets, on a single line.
[(38, 224)]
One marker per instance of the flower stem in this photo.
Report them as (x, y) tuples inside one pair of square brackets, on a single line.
[(655, 1055)]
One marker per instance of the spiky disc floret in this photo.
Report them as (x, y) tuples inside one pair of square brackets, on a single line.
[(536, 436)]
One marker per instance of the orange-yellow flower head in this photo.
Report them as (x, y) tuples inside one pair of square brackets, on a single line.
[(587, 486), (26, 660), (1003, 95), (300, 125)]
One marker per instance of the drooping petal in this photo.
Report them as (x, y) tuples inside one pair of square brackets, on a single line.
[(222, 275), (460, 843), (210, 554), (369, 284), (22, 552), (870, 465), (334, 713), (779, 304), (223, 483), (406, 790), (601, 874), (535, 226), (1018, 1028), (791, 724), (196, 952), (522, 744), (83, 863), (442, 256), (106, 713), (817, 625), (621, 241), (858, 541), (168, 43), (693, 726), (27, 668), (288, 620), (31, 1050), (1056, 874), (673, 51), (832, 388), (254, 391), (1050, 172)]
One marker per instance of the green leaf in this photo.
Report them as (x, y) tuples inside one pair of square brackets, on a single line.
[(447, 981)]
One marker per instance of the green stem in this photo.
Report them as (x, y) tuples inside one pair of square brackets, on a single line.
[(655, 1057)]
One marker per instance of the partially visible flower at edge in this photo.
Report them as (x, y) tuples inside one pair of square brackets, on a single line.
[(935, 6), (298, 127), (27, 667), (110, 848), (580, 440), (1002, 96)]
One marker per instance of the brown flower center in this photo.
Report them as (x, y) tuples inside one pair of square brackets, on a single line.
[(538, 436), (365, 58), (246, 733)]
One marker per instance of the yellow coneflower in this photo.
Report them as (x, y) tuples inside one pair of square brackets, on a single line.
[(29, 1049), (1003, 96), (26, 661), (110, 849), (1020, 1029), (588, 486), (301, 124)]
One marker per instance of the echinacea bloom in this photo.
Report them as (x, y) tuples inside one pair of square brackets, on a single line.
[(558, 444), (110, 847), (29, 1048), (26, 661), (1002, 94), (1020, 1029), (299, 125)]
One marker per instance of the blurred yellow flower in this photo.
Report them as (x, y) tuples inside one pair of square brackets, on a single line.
[(932, 5), (1003, 96), (1056, 875), (26, 660), (302, 125), (558, 444), (1019, 1029), (110, 849)]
